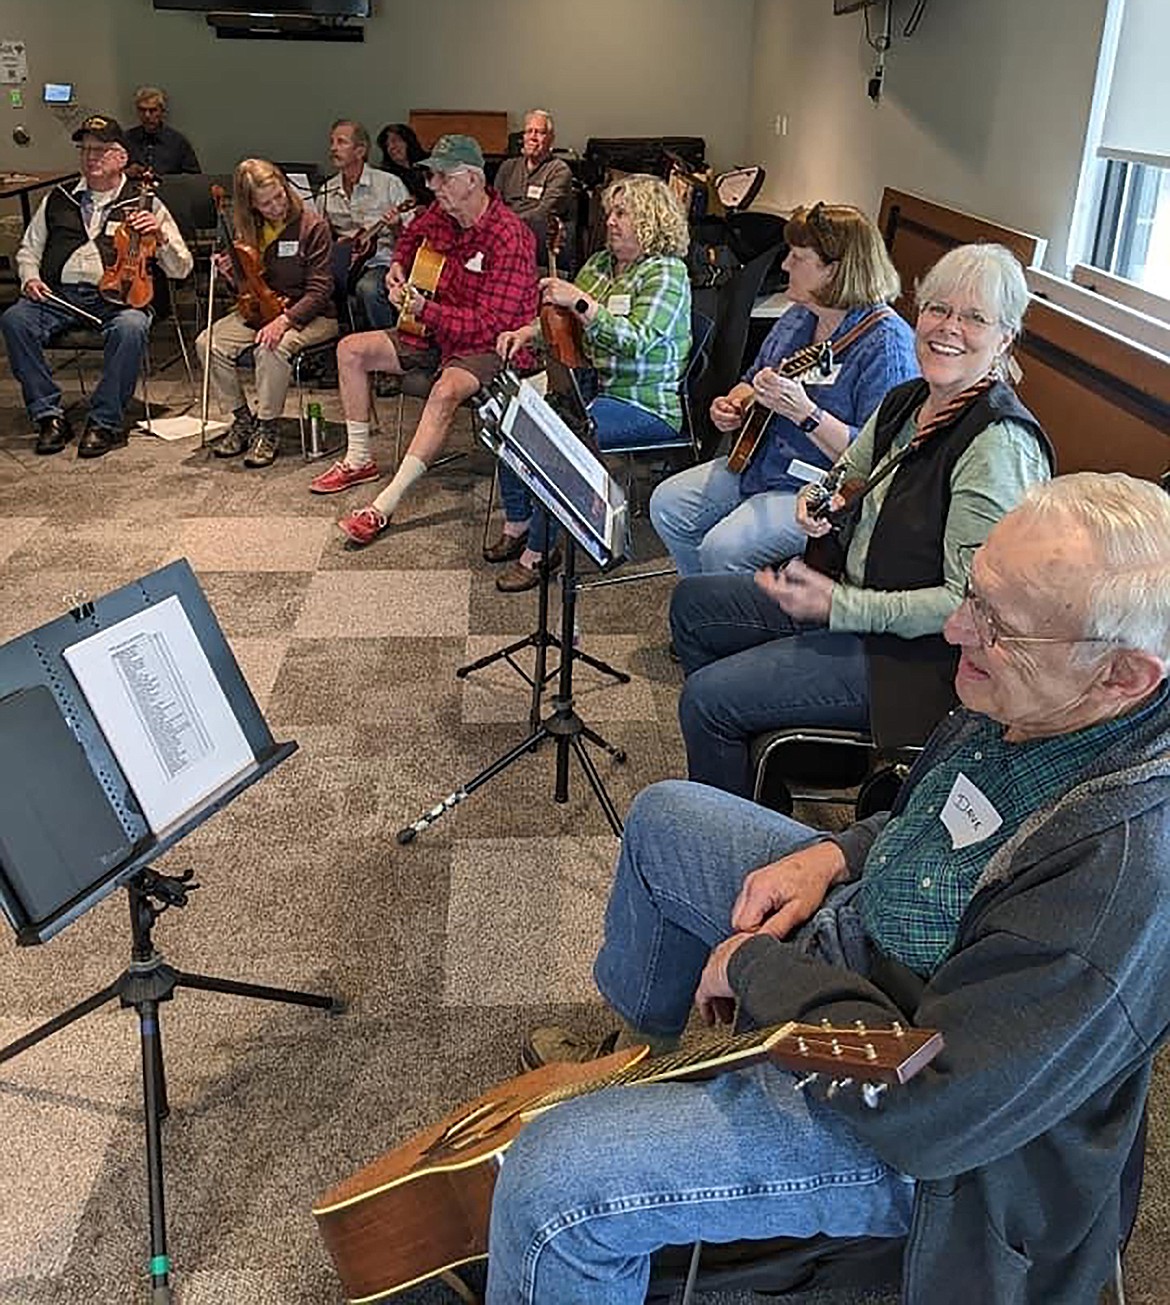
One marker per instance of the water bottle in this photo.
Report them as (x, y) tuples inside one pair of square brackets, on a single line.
[(316, 430)]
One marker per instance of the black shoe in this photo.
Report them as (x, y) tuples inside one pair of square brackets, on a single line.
[(264, 447), (236, 438), (54, 433), (96, 440)]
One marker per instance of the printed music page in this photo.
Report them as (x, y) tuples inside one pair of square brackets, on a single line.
[(167, 720)]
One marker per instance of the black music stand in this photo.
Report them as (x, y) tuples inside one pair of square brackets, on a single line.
[(56, 863), (598, 522)]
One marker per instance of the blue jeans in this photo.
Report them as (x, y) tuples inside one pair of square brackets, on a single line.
[(593, 1187), (374, 299), (619, 424), (751, 668), (28, 327), (709, 524)]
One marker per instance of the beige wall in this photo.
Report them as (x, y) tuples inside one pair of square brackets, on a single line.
[(609, 67), (985, 108)]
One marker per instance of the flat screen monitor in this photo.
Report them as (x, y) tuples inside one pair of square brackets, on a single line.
[(58, 93), (321, 8)]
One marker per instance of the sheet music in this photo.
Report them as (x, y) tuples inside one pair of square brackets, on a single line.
[(162, 710)]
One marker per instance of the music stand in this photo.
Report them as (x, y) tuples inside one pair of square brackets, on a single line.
[(81, 814), (549, 450)]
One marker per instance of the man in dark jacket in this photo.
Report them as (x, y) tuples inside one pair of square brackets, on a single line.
[(1013, 899), (153, 145)]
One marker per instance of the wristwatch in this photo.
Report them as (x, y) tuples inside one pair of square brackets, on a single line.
[(812, 421), (581, 307)]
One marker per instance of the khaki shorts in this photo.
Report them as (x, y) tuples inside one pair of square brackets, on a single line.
[(415, 354)]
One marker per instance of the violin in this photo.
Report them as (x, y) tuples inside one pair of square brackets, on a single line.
[(256, 301), (130, 281), (560, 328)]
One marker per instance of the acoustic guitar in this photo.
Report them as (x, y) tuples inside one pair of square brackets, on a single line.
[(804, 362), (421, 1210), (424, 276)]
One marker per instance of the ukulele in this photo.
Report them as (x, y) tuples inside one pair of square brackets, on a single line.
[(804, 362), (424, 276), (421, 1210)]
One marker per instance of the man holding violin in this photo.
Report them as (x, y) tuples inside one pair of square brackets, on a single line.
[(364, 208), (66, 248)]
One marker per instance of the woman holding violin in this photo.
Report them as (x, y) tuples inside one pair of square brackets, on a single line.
[(632, 304), (279, 262)]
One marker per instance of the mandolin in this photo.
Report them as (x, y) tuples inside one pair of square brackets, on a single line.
[(813, 358), (364, 240), (421, 1210), (424, 276)]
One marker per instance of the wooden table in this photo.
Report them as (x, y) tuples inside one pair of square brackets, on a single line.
[(20, 185)]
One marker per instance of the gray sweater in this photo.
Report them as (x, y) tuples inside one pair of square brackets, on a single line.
[(1052, 1001)]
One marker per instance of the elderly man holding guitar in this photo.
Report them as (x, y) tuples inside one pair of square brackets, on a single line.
[(824, 368), (1012, 900), (472, 275)]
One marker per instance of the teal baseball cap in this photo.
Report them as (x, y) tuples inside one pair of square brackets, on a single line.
[(452, 152)]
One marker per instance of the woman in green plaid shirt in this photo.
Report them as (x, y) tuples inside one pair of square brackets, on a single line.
[(633, 300)]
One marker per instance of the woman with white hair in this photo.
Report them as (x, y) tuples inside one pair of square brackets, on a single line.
[(864, 650)]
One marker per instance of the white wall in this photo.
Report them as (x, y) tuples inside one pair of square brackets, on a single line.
[(985, 108), (608, 67)]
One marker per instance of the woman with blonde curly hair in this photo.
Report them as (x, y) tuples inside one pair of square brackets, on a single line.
[(633, 300), (296, 251)]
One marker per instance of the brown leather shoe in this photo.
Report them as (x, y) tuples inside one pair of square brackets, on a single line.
[(97, 440), (506, 547), (518, 577)]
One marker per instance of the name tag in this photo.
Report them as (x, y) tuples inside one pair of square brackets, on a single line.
[(619, 305), (805, 471), (535, 192), (817, 377), (287, 248), (475, 262), (967, 814)]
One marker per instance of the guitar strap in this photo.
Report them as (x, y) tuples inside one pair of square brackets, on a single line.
[(824, 353)]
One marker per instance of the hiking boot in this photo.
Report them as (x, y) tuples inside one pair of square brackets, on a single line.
[(554, 1044)]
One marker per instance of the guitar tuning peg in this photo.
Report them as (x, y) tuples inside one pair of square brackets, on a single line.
[(836, 1085), (871, 1094), (802, 1083)]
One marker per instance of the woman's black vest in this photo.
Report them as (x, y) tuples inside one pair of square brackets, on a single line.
[(911, 681)]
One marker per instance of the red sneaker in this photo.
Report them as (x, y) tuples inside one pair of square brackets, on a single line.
[(341, 476), (363, 526)]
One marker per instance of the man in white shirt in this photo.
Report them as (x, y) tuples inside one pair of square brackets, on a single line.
[(64, 251), (364, 208)]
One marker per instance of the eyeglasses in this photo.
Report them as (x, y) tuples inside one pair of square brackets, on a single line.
[(988, 629), (970, 320)]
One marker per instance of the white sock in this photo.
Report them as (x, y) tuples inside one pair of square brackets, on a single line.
[(408, 472), (357, 450)]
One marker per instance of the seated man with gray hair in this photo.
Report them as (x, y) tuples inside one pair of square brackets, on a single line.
[(535, 185), (1014, 899), (153, 146)]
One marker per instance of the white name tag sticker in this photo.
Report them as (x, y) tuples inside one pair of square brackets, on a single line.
[(968, 815), (805, 471), (475, 262), (818, 377), (619, 305), (287, 248), (535, 192)]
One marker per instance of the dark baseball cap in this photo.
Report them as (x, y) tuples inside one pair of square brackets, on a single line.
[(452, 152), (101, 127)]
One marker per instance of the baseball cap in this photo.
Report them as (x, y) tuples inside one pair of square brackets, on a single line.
[(451, 152), (105, 129)]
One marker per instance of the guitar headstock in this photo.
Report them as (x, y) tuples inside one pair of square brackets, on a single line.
[(877, 1055)]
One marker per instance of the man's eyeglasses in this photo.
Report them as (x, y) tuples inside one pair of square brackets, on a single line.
[(969, 319), (988, 628)]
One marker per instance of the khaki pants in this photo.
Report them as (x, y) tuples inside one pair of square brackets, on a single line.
[(231, 336)]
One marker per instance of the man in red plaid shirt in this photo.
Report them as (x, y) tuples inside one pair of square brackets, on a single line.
[(488, 285)]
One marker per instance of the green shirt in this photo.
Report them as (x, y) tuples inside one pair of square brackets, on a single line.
[(915, 884), (988, 480), (640, 337)]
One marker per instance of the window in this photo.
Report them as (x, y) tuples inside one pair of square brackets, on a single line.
[(1132, 236)]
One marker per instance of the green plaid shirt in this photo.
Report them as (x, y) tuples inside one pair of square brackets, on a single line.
[(915, 886), (640, 355)]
